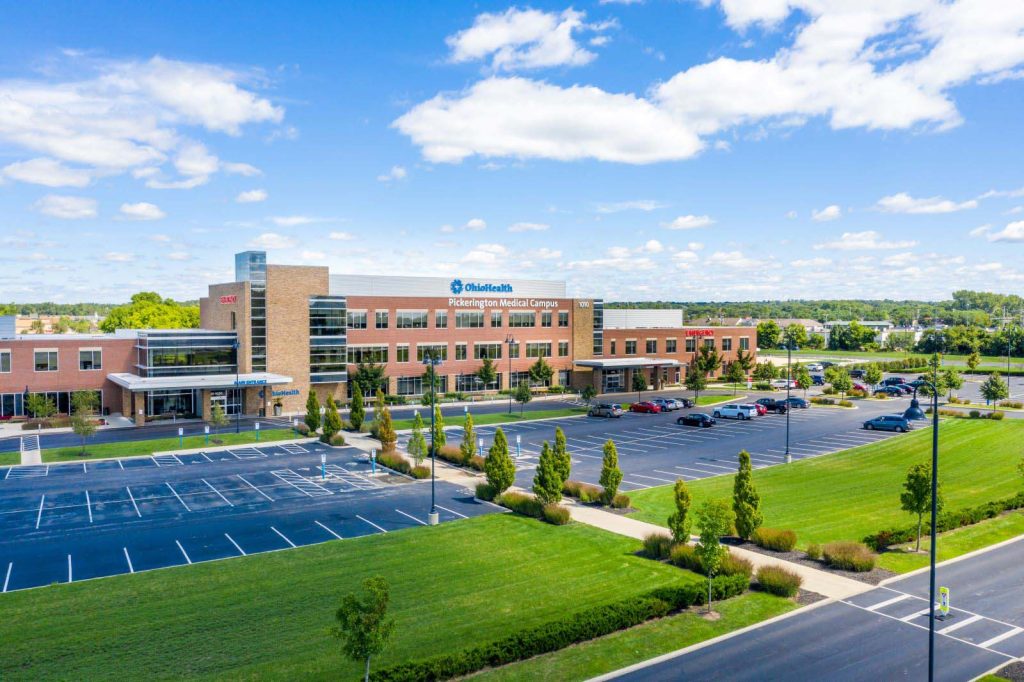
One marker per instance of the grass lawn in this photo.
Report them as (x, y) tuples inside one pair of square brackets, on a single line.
[(147, 447), (642, 642), (957, 542), (717, 399), (496, 418), (10, 458), (266, 616), (847, 495), (993, 361)]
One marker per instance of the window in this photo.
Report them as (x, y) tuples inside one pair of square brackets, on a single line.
[(691, 345), (328, 360), (744, 343), (382, 319), (727, 343), (441, 319), (522, 319), (5, 361), (563, 377), (613, 346), (563, 318), (631, 347), (513, 351), (90, 359), (357, 320), (410, 385), (495, 318), (411, 320), (436, 350), (401, 353), (465, 319), (563, 349), (709, 343), (670, 345), (652, 346), (326, 316), (471, 382), (234, 321), (46, 360), (460, 351), (545, 319), (538, 349), (375, 354), (517, 378), (487, 350)]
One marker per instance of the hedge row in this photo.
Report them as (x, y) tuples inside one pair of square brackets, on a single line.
[(946, 521), (394, 461), (579, 627), (453, 454), (973, 414), (914, 363)]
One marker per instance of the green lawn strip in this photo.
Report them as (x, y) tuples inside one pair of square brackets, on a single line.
[(957, 542), (847, 495), (266, 616), (495, 418), (147, 447), (642, 642), (10, 458), (994, 361), (717, 399)]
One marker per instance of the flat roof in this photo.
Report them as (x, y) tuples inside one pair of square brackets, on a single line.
[(626, 363), (133, 382)]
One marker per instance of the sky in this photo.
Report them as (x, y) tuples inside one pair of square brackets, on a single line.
[(640, 150)]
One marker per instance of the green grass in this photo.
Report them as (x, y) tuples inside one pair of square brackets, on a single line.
[(994, 361), (642, 642), (497, 418), (956, 542), (146, 447), (717, 399), (850, 494), (266, 616), (10, 458)]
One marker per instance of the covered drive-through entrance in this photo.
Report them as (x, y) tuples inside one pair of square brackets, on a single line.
[(616, 375)]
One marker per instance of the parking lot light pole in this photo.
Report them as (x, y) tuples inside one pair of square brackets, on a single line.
[(509, 340), (789, 384), (431, 362), (238, 408)]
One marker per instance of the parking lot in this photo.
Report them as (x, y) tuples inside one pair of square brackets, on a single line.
[(75, 521)]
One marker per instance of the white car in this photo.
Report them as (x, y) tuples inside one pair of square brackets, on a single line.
[(815, 367), (783, 383), (735, 412)]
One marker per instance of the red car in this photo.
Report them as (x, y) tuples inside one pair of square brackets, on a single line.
[(761, 409), (645, 406), (860, 387)]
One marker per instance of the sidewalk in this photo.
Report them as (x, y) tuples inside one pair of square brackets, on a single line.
[(443, 472)]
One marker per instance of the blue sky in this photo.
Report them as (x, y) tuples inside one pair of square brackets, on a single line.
[(688, 150)]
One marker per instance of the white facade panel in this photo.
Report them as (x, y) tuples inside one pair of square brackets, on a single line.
[(635, 318), (386, 285)]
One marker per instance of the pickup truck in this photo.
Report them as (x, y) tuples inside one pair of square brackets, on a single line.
[(735, 412), (773, 405)]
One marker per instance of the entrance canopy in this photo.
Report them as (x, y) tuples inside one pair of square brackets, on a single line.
[(627, 363), (133, 382)]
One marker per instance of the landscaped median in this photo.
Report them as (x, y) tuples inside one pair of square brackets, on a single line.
[(498, 417), (137, 448)]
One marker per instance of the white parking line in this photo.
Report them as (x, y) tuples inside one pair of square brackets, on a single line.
[(39, 516), (205, 457), (916, 614), (282, 536), (999, 638), (178, 496), (254, 487), (218, 492), (371, 523), (131, 569), (132, 498), (422, 523), (183, 552), (672, 473), (451, 511), (70, 577), (328, 530), (881, 604), (120, 464), (232, 541), (640, 486), (653, 478), (716, 466), (699, 471), (88, 505), (959, 624), (8, 578)]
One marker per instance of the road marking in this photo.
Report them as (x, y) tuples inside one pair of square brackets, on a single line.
[(959, 624), (653, 478), (716, 466), (205, 457), (8, 578), (131, 569), (120, 464), (999, 638), (452, 511), (183, 552), (84, 469), (699, 471), (383, 530), (217, 491), (282, 536), (232, 541), (672, 473), (88, 505), (880, 604), (132, 497), (255, 488), (422, 523), (918, 614), (70, 577), (328, 530), (39, 516), (178, 496)]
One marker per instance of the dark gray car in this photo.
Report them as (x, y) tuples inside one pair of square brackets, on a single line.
[(888, 422)]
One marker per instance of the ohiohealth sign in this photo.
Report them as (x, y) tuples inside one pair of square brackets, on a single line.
[(458, 287)]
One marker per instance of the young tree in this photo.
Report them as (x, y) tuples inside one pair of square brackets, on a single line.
[(332, 420), (696, 382), (468, 445), (499, 468), (768, 334), (437, 434), (802, 377), (588, 393), (765, 371), (994, 389), (357, 411), (746, 502), (611, 475), (40, 407), (83, 406), (312, 412), (541, 372), (369, 377), (522, 395), (547, 482), (431, 386), (745, 359), (841, 382), (363, 626), (562, 454), (679, 521), (708, 360), (973, 360), (873, 375), (378, 403), (916, 497), (715, 520), (488, 373), (417, 446), (639, 383), (219, 420), (952, 380), (386, 429), (735, 375), (816, 342), (796, 334)]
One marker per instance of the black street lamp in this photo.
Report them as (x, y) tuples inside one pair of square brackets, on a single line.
[(432, 361), (789, 385), (238, 408), (509, 340)]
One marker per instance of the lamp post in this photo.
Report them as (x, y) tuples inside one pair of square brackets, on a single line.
[(509, 340), (789, 384), (431, 361), (238, 408)]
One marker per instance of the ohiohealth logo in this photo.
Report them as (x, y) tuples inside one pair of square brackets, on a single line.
[(456, 286)]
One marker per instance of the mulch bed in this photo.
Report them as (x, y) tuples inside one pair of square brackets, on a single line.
[(1013, 671), (805, 598), (872, 577)]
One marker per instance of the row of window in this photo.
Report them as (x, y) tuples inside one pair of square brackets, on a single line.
[(651, 345), (464, 319), (379, 353), (466, 383), (47, 360)]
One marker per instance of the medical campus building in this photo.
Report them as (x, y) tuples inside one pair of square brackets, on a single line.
[(278, 331)]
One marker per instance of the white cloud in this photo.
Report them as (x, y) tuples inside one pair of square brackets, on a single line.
[(396, 173), (695, 246), (243, 169), (341, 236), (251, 196), (68, 208), (292, 220), (869, 239), (904, 203), (544, 253), (486, 254), (179, 255), (141, 211), (811, 262), (447, 229), (689, 222), (732, 259), (313, 256), (791, 214), (635, 205), (1003, 193), (161, 238), (524, 39), (685, 256), (653, 246), (119, 257), (48, 172), (272, 240), (528, 227), (1013, 232), (476, 224), (826, 214), (980, 230)]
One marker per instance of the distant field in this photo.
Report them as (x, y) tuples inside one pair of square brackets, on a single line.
[(147, 447), (991, 361)]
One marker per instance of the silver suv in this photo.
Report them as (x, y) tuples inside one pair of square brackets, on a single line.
[(735, 412), (605, 410)]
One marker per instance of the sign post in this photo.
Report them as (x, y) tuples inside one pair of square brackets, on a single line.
[(295, 425), (943, 603), (181, 437), (373, 461), (480, 446), (323, 466), (257, 432), (206, 432), (519, 448)]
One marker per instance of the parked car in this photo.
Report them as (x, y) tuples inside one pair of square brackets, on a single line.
[(857, 386), (646, 407), (888, 422), (826, 364), (666, 404), (916, 383), (605, 410), (817, 380), (894, 391), (783, 383), (696, 419), (773, 405), (815, 367), (685, 403), (905, 389), (735, 412), (858, 373), (892, 381), (760, 409), (795, 402)]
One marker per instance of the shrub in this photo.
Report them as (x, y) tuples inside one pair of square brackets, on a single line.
[(998, 416), (845, 403), (946, 521), (337, 440), (849, 556), (814, 551), (818, 400), (620, 501), (685, 556), (734, 565), (974, 414), (556, 514), (828, 390), (778, 580), (1015, 404), (476, 462), (451, 453), (762, 386), (527, 505), (395, 400), (584, 492), (856, 393), (657, 546), (484, 491), (303, 429), (394, 461), (420, 471), (774, 539)]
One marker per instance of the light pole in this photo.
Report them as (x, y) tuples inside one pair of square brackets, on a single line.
[(509, 340), (238, 408), (432, 362), (789, 384)]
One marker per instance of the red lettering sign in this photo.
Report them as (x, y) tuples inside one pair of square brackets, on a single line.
[(228, 299), (700, 332)]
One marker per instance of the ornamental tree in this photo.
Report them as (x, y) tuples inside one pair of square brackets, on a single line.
[(417, 446), (994, 389), (357, 412), (488, 373), (562, 458), (735, 375), (611, 475), (547, 481), (312, 412), (639, 384), (588, 393), (715, 519), (332, 420), (873, 374), (522, 395), (499, 468), (696, 382), (363, 626), (916, 497), (679, 521), (386, 429), (437, 436), (468, 445), (746, 501)]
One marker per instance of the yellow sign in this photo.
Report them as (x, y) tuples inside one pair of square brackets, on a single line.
[(944, 601)]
